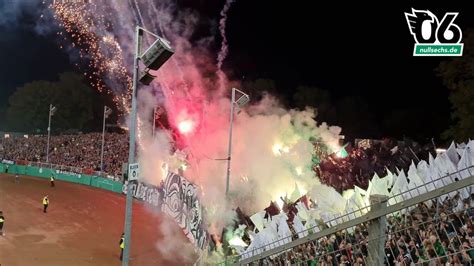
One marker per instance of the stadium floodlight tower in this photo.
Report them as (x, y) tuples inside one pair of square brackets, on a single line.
[(52, 110), (153, 58), (107, 112), (239, 99)]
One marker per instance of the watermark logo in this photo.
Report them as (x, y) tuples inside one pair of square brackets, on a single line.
[(432, 37)]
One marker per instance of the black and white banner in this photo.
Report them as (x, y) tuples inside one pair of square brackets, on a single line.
[(181, 202), (178, 198), (5, 161), (150, 194)]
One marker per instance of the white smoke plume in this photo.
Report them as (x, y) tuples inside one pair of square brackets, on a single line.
[(11, 10), (172, 246), (272, 147)]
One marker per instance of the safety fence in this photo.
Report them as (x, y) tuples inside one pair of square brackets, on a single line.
[(69, 174), (407, 240), (73, 169), (428, 224), (87, 171)]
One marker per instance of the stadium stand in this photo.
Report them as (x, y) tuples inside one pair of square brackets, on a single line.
[(81, 150), (428, 208)]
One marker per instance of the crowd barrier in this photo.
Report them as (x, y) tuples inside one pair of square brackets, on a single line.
[(73, 177)]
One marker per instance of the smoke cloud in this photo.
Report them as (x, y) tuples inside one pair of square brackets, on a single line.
[(272, 148), (171, 246), (11, 11)]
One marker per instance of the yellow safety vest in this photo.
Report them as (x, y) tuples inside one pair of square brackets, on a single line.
[(45, 201), (122, 245), (1, 220), (52, 178)]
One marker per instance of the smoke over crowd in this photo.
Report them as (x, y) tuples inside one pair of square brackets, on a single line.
[(271, 145), (272, 148)]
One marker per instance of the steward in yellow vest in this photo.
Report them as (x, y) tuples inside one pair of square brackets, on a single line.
[(2, 221), (122, 245), (45, 203)]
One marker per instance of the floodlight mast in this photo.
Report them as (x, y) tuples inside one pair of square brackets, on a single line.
[(155, 53), (52, 110), (107, 112), (240, 102)]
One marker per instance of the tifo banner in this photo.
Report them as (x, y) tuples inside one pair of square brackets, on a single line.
[(178, 198), (68, 173), (150, 194), (7, 161), (181, 202)]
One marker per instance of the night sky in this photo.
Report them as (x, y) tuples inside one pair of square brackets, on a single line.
[(359, 49)]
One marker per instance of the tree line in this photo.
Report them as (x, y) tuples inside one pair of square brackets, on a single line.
[(80, 107)]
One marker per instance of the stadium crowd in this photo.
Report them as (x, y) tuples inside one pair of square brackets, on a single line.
[(81, 150), (362, 162), (429, 234), (425, 235)]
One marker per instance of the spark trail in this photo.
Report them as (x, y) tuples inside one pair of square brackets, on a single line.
[(222, 25)]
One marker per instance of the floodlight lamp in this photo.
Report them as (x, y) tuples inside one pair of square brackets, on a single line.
[(108, 111), (52, 110), (146, 78), (157, 54), (243, 100)]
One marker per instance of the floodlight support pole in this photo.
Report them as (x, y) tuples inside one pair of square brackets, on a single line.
[(103, 142), (229, 151), (149, 32), (131, 151), (49, 133)]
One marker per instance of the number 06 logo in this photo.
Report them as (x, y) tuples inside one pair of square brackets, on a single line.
[(441, 36), (425, 27)]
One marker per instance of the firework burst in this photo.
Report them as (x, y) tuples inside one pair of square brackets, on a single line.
[(86, 29)]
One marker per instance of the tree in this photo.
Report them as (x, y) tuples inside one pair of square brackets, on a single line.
[(256, 89), (28, 106), (3, 111), (317, 98), (355, 118), (458, 76), (399, 120)]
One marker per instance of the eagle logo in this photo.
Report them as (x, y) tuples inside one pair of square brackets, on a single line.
[(426, 28), (422, 25)]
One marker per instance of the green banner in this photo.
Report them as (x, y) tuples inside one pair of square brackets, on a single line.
[(438, 50)]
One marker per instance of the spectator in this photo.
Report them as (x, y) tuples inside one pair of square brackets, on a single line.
[(362, 163), (82, 151), (413, 238)]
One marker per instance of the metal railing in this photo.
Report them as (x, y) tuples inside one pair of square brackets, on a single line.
[(435, 188), (403, 245)]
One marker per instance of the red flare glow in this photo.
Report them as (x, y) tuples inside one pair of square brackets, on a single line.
[(186, 126)]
